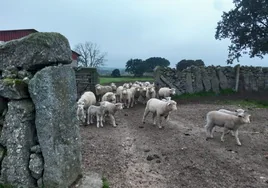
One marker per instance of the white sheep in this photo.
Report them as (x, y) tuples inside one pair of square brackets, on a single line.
[(110, 109), (159, 109), (98, 112), (228, 121), (101, 90), (143, 90), (114, 87), (166, 92), (109, 96), (118, 93), (135, 94), (236, 113), (150, 93), (88, 98), (126, 97)]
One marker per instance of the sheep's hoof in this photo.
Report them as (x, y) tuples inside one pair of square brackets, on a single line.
[(114, 125), (222, 140), (160, 127), (239, 144)]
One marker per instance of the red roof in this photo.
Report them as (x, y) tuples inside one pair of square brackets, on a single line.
[(7, 35)]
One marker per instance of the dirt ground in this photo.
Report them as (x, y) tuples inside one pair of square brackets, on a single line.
[(136, 155)]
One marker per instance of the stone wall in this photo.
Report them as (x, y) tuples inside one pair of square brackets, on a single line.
[(213, 78), (40, 140)]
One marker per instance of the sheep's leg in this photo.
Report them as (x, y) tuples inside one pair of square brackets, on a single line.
[(98, 121), (101, 117), (159, 121), (113, 120), (154, 120), (88, 118), (146, 112), (233, 133), (225, 131), (209, 127), (91, 118), (236, 138)]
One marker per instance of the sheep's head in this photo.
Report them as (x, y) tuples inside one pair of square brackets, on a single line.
[(124, 91), (171, 105), (172, 91), (98, 87), (126, 85), (113, 86), (240, 112), (81, 116), (118, 106), (151, 90), (245, 118)]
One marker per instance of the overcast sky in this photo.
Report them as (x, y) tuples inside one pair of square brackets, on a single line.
[(173, 29)]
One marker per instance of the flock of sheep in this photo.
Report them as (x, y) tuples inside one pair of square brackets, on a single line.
[(111, 99)]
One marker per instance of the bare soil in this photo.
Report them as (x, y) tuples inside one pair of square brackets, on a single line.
[(136, 155)]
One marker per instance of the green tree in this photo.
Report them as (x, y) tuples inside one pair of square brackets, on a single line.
[(136, 67), (152, 62), (247, 27), (116, 73), (183, 64)]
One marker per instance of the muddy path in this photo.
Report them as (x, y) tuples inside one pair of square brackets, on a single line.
[(137, 155)]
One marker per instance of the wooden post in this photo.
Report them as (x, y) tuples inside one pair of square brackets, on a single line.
[(237, 75)]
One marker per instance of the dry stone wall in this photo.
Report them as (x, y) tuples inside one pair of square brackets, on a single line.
[(40, 140), (213, 78)]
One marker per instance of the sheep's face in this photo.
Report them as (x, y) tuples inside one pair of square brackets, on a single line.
[(240, 112), (113, 86), (245, 118), (119, 106), (151, 90), (171, 105), (113, 99), (126, 86), (172, 91), (98, 87), (124, 91)]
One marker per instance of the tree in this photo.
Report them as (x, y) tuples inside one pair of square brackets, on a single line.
[(90, 55), (116, 73), (183, 64), (247, 27), (136, 67), (152, 62)]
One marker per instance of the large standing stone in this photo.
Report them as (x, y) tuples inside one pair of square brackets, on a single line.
[(53, 91), (35, 51), (18, 137), (205, 80), (198, 80), (215, 83), (223, 80), (188, 83)]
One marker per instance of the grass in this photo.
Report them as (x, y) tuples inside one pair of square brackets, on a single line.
[(248, 103), (105, 183), (6, 186), (107, 80)]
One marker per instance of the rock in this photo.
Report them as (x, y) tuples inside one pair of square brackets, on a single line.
[(91, 180), (205, 80), (156, 156), (188, 83), (149, 158), (3, 106), (223, 80), (2, 153), (35, 51), (40, 183), (146, 150), (18, 137), (36, 149), (198, 85), (23, 74), (53, 91), (10, 72), (158, 161), (215, 83), (13, 89), (36, 165)]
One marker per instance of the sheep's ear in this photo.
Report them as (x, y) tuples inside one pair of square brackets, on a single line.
[(168, 104)]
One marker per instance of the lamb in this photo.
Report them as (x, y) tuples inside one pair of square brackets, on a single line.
[(114, 87), (236, 113), (101, 90), (136, 93), (143, 91), (110, 109), (97, 111), (109, 96), (166, 92), (126, 97), (228, 121), (159, 109), (88, 98), (150, 93)]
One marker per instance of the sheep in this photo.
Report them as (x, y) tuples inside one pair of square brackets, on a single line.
[(114, 87), (136, 93), (97, 111), (159, 109), (126, 97), (126, 85), (118, 93), (228, 121), (166, 99), (88, 98), (110, 109), (236, 112), (101, 90), (143, 91), (166, 92), (150, 93), (109, 96)]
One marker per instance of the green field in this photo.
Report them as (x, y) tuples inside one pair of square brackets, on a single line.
[(107, 80)]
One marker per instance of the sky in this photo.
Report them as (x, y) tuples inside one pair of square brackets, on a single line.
[(125, 29)]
